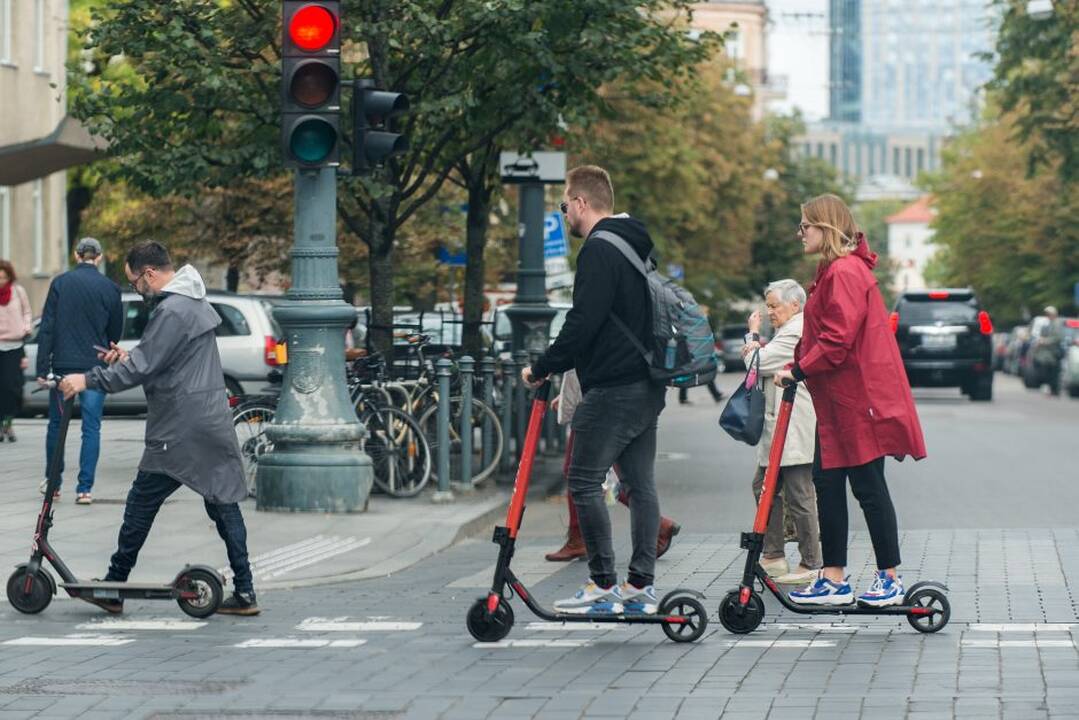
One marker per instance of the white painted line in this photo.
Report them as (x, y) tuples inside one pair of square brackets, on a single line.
[(575, 626), (818, 627), (1022, 627), (352, 544), (150, 624), (1035, 643), (341, 624), (296, 643), (781, 643), (71, 640), (285, 559), (532, 643)]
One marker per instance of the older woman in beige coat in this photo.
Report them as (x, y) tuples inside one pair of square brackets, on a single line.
[(784, 300)]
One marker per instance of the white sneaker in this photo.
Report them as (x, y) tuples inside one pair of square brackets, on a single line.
[(44, 484), (640, 601), (823, 591), (591, 598)]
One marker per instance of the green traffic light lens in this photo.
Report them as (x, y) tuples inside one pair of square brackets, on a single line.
[(312, 140)]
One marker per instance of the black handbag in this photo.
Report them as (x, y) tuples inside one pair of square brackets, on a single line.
[(743, 417)]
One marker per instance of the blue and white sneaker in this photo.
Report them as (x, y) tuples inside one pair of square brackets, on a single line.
[(639, 601), (823, 591), (885, 590), (591, 598)]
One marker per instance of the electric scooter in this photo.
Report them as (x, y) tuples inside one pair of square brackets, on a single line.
[(741, 611), (680, 612), (197, 589)]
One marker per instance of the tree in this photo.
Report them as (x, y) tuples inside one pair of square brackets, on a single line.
[(187, 93)]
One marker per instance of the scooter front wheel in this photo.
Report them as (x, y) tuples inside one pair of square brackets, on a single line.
[(933, 600), (208, 592), (691, 611), (490, 626), (29, 593), (741, 620)]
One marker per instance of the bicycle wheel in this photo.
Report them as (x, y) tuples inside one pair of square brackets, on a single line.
[(249, 422), (400, 455), (480, 416)]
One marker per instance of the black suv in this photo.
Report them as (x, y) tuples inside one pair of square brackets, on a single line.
[(946, 340)]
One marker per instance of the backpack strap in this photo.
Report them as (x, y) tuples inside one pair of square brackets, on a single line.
[(635, 260)]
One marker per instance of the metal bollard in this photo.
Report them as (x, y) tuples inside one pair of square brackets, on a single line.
[(442, 372), (509, 377), (466, 365), (487, 370), (520, 404)]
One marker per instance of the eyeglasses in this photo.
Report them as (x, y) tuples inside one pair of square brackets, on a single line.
[(802, 227), (134, 284), (564, 206)]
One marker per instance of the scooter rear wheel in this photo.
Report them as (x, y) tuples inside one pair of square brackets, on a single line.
[(934, 599), (489, 627), (208, 587), (39, 595), (696, 618), (738, 620)]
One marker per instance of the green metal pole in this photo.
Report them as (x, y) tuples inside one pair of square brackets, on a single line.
[(318, 463), (466, 365), (442, 372)]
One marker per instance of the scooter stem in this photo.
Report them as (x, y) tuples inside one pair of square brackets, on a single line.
[(775, 456), (528, 454)]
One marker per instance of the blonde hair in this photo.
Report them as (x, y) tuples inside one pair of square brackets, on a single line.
[(593, 184), (835, 220)]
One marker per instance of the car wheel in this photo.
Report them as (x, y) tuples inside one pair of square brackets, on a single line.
[(982, 388), (1073, 391)]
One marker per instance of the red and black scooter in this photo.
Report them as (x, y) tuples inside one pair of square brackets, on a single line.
[(490, 618), (197, 589), (924, 605)]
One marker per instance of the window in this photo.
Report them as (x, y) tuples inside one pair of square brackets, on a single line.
[(733, 45), (39, 35), (5, 31), (895, 161), (5, 221), (232, 321), (135, 318), (39, 225)]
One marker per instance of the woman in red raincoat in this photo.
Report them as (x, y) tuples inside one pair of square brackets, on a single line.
[(849, 359)]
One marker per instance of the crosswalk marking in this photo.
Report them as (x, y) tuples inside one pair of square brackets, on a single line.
[(71, 640), (781, 643), (298, 643), (284, 560), (341, 624), (1022, 627), (575, 626), (533, 643), (1034, 643), (148, 624)]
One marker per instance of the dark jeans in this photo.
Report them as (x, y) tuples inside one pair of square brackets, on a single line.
[(868, 485), (144, 499), (91, 407), (612, 426), (11, 382)]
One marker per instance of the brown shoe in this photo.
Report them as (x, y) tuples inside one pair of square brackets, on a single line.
[(667, 530), (573, 549)]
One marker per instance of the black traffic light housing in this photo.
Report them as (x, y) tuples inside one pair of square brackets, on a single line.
[(371, 109), (311, 83)]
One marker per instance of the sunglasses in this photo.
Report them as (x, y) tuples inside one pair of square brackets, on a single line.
[(564, 206)]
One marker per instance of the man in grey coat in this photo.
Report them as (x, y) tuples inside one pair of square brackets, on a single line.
[(189, 436)]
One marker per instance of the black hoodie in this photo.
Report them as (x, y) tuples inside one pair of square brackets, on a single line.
[(605, 283)]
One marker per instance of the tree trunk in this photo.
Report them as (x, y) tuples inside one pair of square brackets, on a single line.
[(479, 211), (232, 279), (380, 266)]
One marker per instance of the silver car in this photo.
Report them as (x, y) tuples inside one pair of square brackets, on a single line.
[(247, 339), (1069, 362)]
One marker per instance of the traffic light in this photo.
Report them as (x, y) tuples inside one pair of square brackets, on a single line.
[(371, 108), (311, 83)]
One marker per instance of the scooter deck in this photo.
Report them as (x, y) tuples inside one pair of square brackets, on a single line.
[(108, 589)]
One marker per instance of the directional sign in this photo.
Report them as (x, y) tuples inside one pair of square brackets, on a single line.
[(554, 236), (455, 260), (535, 167)]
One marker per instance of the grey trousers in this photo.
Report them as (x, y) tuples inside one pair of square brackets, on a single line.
[(797, 491), (617, 426)]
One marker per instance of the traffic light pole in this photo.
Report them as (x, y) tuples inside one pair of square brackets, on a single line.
[(318, 463)]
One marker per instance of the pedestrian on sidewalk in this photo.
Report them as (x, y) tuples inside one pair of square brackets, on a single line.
[(784, 300), (617, 418), (82, 311), (849, 359), (15, 324), (565, 405), (189, 435)]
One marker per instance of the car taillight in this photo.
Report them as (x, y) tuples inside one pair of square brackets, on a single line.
[(984, 323), (234, 400), (719, 346), (938, 295), (270, 356), (893, 320)]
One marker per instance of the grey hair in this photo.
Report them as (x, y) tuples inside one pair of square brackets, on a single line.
[(788, 291)]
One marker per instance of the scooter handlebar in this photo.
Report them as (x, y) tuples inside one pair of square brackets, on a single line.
[(544, 391)]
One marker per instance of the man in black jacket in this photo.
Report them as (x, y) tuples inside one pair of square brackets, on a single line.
[(82, 310), (617, 417)]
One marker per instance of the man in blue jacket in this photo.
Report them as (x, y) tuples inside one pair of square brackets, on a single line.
[(82, 310)]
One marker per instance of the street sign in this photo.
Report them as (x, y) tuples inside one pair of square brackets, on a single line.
[(676, 271), (554, 236), (537, 167), (443, 256)]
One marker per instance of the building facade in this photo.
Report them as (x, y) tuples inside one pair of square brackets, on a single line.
[(845, 61), (33, 217), (910, 244), (745, 24)]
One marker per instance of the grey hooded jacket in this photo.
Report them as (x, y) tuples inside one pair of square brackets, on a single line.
[(189, 434)]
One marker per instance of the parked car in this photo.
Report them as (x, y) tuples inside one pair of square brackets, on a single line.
[(1069, 363), (945, 340), (1018, 339), (246, 338), (730, 339), (1027, 370)]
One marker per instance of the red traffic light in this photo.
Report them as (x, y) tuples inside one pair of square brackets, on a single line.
[(312, 27)]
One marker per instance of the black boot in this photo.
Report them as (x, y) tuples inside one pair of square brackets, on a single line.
[(240, 604)]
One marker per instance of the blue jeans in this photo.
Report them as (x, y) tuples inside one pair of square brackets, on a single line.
[(145, 498), (92, 403)]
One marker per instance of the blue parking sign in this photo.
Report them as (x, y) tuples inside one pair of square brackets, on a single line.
[(554, 236)]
